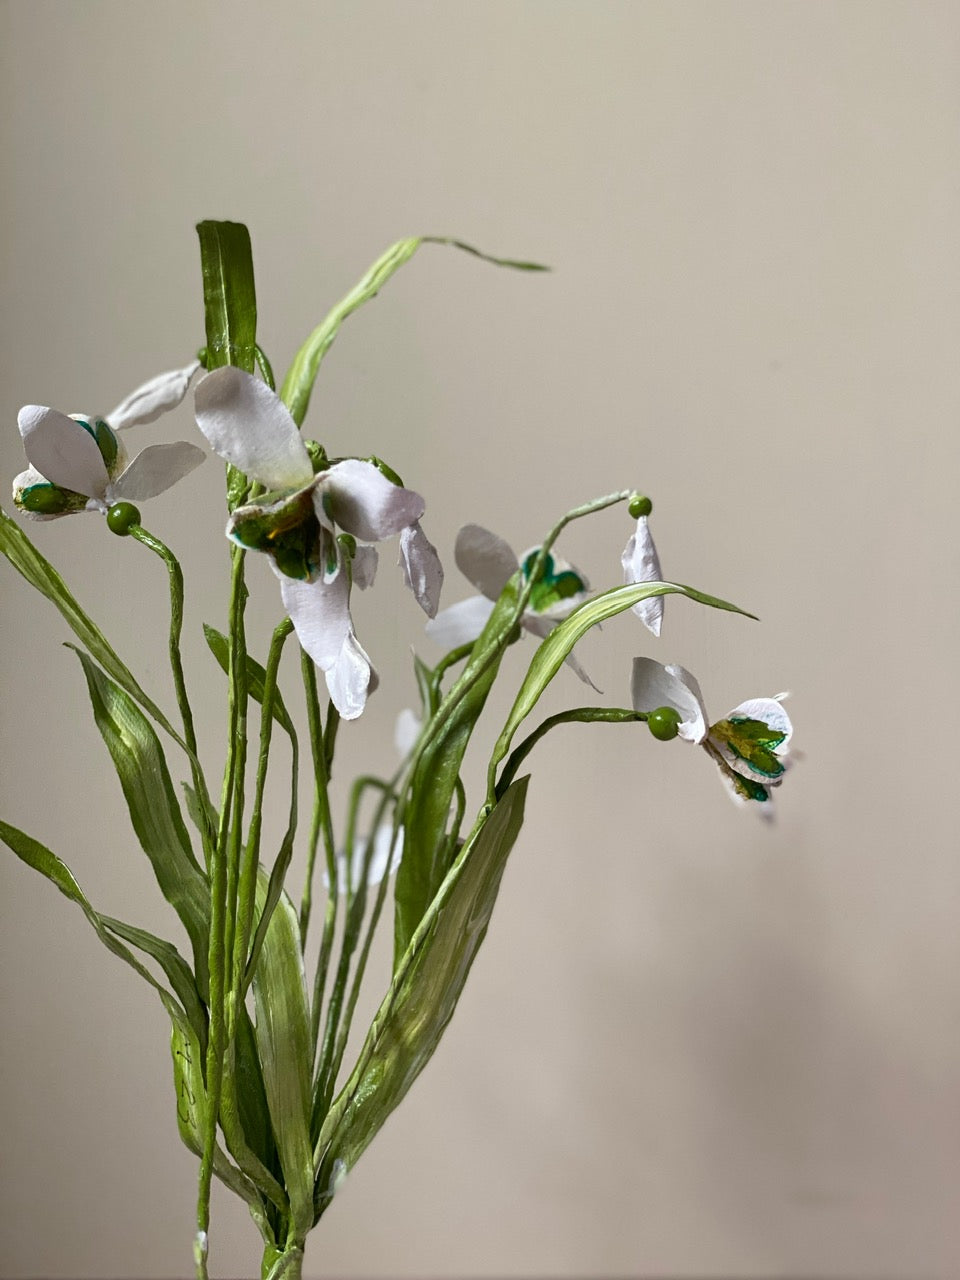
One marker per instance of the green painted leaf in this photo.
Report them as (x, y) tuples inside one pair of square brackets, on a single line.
[(154, 812), (436, 767), (284, 1049), (423, 995), (229, 294), (298, 384), (553, 650), (219, 646), (38, 571)]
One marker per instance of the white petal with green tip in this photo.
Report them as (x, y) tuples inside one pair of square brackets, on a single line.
[(155, 469), (63, 451), (654, 685), (486, 560), (365, 503), (153, 398), (642, 564), (422, 570), (249, 425)]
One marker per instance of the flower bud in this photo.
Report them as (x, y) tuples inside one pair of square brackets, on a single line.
[(639, 505), (121, 518)]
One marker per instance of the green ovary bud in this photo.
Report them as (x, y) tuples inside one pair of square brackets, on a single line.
[(122, 517), (663, 723), (640, 505)]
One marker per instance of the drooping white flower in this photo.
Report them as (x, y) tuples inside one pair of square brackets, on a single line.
[(642, 564), (750, 746), (78, 462), (489, 563), (296, 522)]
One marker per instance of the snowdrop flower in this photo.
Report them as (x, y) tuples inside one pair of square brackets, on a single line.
[(78, 463), (642, 564), (489, 563), (382, 861), (750, 746), (296, 522)]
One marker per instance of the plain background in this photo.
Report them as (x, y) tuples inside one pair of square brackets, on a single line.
[(693, 1045)]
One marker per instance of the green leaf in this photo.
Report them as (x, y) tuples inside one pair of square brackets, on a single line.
[(284, 1049), (229, 295), (219, 646), (436, 767), (179, 973), (139, 761), (38, 571), (298, 384), (423, 995), (554, 649)]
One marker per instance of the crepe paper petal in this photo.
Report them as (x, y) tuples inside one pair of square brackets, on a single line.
[(460, 623), (38, 499), (155, 469), (560, 589), (541, 627), (422, 570), (382, 842), (364, 566), (287, 530), (642, 564), (754, 740), (155, 397), (654, 685), (486, 560), (250, 426), (406, 732), (365, 503), (63, 450), (351, 679), (320, 615)]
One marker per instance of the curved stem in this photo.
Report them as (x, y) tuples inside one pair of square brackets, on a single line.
[(582, 715)]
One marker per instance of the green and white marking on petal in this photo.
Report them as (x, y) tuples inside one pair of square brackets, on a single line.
[(752, 741)]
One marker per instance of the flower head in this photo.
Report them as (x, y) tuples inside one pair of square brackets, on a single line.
[(489, 563), (642, 564), (78, 463), (296, 523), (750, 746)]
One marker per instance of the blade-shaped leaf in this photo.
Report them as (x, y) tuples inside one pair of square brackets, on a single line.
[(298, 384), (219, 646), (178, 972), (554, 650), (38, 571), (139, 761), (436, 767), (284, 1049), (229, 294), (423, 994)]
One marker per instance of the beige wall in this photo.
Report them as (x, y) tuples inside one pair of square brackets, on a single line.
[(692, 1045)]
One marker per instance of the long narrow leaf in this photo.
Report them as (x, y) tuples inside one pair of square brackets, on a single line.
[(229, 294), (40, 573), (556, 647), (298, 384), (139, 761), (283, 1045), (422, 996), (172, 963), (219, 646)]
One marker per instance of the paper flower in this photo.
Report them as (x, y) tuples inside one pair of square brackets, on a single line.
[(296, 522), (642, 564), (78, 463), (489, 563), (382, 862), (750, 746)]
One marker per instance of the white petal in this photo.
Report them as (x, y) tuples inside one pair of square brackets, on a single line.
[(365, 503), (382, 842), (249, 425), (654, 685), (460, 623), (406, 732), (320, 614), (485, 559), (422, 570), (540, 627), (641, 564), (155, 397), (155, 469), (351, 679), (771, 713), (62, 451), (364, 566)]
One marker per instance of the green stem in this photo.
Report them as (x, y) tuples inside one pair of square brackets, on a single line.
[(175, 573), (238, 694), (579, 715), (321, 822)]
